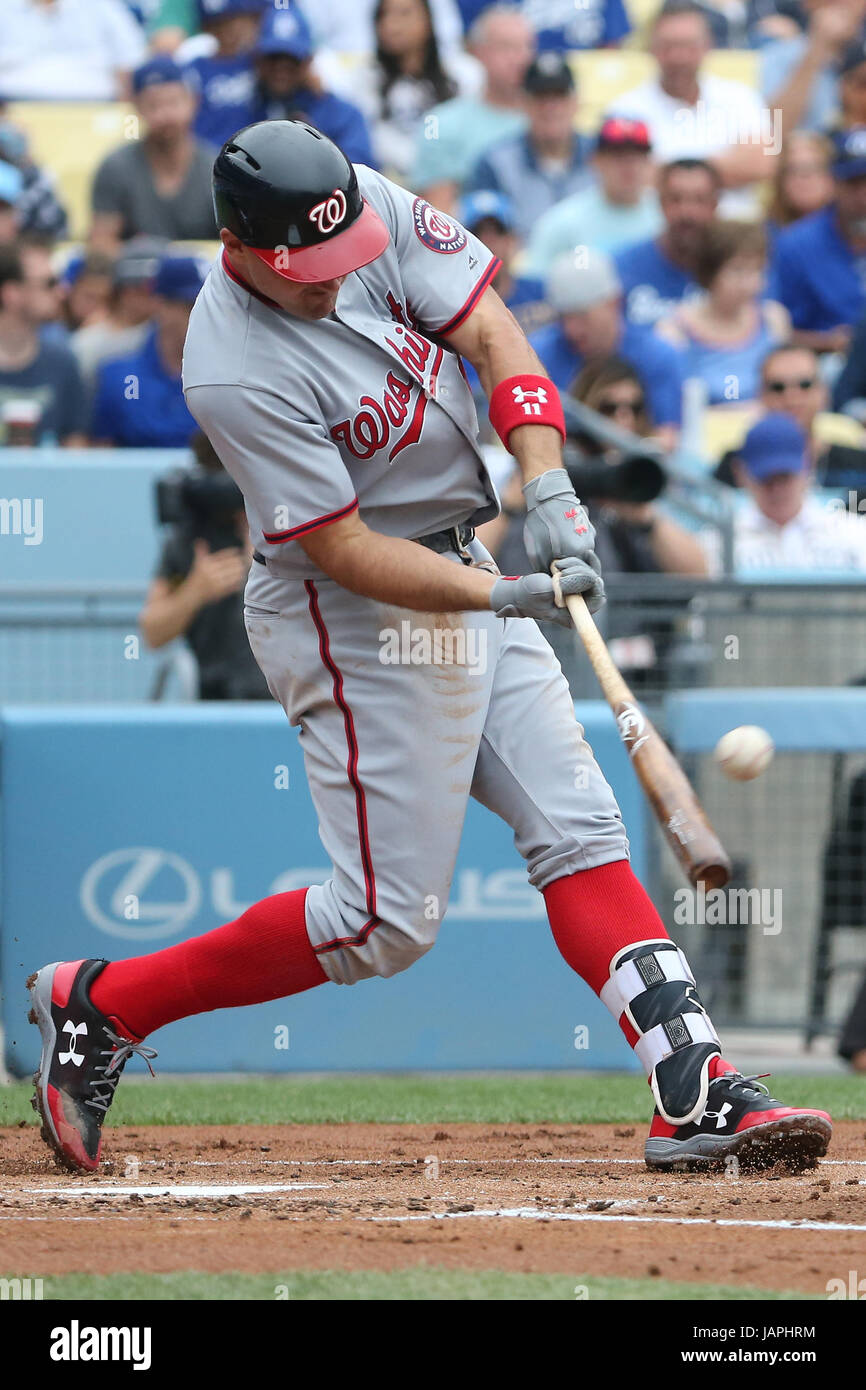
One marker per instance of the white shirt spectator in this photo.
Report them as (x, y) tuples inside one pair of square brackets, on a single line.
[(726, 113), (69, 50), (823, 537), (347, 25)]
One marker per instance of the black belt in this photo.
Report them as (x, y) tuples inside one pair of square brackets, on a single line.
[(454, 538)]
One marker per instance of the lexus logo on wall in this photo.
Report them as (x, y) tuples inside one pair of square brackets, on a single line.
[(140, 893)]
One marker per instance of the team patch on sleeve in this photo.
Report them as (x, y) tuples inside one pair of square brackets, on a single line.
[(436, 230)]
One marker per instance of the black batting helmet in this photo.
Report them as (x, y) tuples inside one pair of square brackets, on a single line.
[(290, 195)]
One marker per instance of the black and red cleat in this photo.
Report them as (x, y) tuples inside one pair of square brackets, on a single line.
[(83, 1053), (741, 1119)]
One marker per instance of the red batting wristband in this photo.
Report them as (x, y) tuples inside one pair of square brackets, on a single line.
[(525, 400)]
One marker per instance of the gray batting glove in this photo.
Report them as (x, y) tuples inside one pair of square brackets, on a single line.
[(556, 524), (533, 595)]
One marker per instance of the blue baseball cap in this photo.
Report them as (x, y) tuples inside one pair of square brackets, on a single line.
[(776, 444), (11, 183), (285, 32), (157, 71), (475, 207), (848, 153), (179, 278), (220, 9)]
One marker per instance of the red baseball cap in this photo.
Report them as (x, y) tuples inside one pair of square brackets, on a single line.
[(620, 133)]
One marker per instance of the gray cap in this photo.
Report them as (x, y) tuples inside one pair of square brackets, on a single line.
[(581, 278), (139, 261)]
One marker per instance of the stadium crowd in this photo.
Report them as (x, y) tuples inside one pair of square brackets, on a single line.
[(705, 231)]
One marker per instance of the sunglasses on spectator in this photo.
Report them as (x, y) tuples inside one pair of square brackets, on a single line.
[(610, 407), (804, 383)]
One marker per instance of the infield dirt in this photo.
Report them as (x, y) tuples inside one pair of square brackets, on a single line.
[(389, 1196)]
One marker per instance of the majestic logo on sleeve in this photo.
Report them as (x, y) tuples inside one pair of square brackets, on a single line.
[(330, 213), (437, 231)]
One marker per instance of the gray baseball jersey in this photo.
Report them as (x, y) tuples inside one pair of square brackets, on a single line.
[(364, 408), (403, 715)]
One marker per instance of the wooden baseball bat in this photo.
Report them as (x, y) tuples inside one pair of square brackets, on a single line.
[(671, 795)]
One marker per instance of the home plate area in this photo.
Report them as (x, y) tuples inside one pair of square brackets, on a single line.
[(384, 1197)]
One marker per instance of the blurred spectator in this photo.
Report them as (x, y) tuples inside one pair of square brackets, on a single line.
[(791, 382), (224, 79), (849, 392), (725, 334), (819, 263), (617, 210), (658, 275), (459, 131), (139, 399), (68, 50), (802, 184), (852, 1040), (549, 161), (161, 184), (695, 114), (635, 537), (38, 208), (197, 592), (403, 79), (46, 296), (347, 26), (807, 77), (130, 306), (584, 291), (490, 216), (85, 288), (782, 526), (11, 188), (41, 395), (562, 24), (288, 89)]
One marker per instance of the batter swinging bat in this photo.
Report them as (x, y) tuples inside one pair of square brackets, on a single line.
[(680, 814)]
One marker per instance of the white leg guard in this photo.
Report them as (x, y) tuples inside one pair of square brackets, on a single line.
[(651, 983)]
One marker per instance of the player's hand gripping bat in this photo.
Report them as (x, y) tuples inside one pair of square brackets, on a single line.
[(680, 814)]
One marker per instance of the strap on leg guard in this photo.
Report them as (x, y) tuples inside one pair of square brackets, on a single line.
[(651, 984)]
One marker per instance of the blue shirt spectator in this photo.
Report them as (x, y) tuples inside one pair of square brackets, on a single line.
[(651, 284), (584, 291), (139, 399), (285, 90), (562, 24), (658, 275), (818, 275), (225, 87), (540, 167)]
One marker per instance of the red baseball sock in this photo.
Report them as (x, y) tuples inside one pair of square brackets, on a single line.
[(596, 913), (265, 954)]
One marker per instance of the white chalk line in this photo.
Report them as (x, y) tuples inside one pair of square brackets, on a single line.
[(414, 1162), (539, 1214), (175, 1191)]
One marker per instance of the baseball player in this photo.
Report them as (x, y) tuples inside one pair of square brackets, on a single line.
[(323, 361)]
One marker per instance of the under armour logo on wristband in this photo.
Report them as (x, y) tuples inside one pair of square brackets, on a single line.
[(529, 401)]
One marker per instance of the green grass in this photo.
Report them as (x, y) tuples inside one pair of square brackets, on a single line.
[(497, 1099), (416, 1284)]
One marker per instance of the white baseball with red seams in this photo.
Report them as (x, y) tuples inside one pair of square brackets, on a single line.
[(745, 752), (369, 408)]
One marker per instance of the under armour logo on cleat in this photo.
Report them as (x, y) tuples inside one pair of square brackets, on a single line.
[(73, 1029), (718, 1115)]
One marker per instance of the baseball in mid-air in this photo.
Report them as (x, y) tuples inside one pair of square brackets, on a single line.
[(745, 752)]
